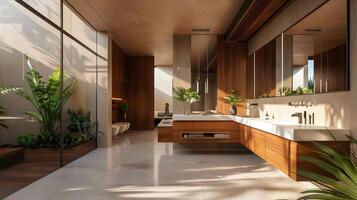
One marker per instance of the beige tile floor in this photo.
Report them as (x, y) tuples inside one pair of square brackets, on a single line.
[(137, 167)]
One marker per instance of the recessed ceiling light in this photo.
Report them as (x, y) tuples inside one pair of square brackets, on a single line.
[(136, 22), (313, 30), (200, 30)]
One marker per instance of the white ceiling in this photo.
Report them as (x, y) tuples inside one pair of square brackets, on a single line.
[(146, 27)]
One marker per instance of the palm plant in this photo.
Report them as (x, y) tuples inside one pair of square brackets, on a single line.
[(5, 90), (2, 113), (45, 97), (341, 181), (8, 89), (186, 96), (233, 98)]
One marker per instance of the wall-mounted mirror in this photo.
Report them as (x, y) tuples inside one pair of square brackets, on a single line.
[(204, 71), (310, 57), (318, 46)]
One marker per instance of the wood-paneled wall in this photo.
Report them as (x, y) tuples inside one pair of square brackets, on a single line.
[(231, 73), (119, 79), (250, 77), (265, 70), (330, 68), (141, 92)]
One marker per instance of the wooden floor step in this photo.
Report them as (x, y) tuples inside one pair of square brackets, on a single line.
[(10, 156)]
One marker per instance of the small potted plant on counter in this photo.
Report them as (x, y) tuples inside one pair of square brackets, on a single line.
[(233, 98), (186, 96)]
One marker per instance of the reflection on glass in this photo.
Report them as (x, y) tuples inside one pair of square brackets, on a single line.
[(204, 71), (102, 44), (29, 47), (48, 8), (303, 63), (23, 35), (318, 52), (30, 68), (80, 65), (78, 28)]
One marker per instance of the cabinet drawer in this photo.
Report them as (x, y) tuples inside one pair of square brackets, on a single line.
[(202, 126), (277, 160), (277, 152), (258, 142), (244, 135), (165, 134), (182, 126), (225, 126)]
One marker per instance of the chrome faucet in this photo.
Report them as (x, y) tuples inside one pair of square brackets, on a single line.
[(299, 115)]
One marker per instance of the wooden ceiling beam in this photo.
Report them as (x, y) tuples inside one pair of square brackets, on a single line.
[(253, 15)]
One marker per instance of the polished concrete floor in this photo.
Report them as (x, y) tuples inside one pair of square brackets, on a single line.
[(137, 167)]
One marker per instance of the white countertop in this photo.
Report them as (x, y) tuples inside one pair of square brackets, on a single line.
[(165, 123), (287, 130)]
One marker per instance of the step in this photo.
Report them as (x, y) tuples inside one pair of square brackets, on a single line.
[(10, 156)]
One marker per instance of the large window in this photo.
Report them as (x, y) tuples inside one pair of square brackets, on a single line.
[(33, 97), (49, 8)]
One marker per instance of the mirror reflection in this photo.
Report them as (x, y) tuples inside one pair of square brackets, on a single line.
[(318, 46), (204, 71), (310, 57)]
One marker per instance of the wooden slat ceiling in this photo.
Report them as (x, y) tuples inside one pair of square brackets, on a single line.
[(251, 17), (146, 27)]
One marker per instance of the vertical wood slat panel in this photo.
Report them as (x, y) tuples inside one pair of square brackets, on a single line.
[(141, 92), (265, 70), (119, 79), (231, 73)]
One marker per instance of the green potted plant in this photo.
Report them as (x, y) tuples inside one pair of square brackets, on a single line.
[(233, 98), (45, 98), (186, 96), (340, 183)]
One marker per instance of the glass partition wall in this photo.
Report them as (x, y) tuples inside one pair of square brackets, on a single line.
[(49, 65)]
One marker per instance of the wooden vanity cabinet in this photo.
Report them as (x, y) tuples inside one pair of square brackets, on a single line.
[(245, 136), (257, 142), (300, 149), (282, 153), (277, 152), (229, 127), (165, 134)]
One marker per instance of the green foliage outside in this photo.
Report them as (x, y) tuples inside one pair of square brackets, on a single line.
[(3, 91), (80, 129), (287, 91)]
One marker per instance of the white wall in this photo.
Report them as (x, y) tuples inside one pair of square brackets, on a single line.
[(163, 87), (330, 109)]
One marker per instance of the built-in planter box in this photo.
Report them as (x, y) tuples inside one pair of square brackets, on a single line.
[(10, 156), (52, 155)]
